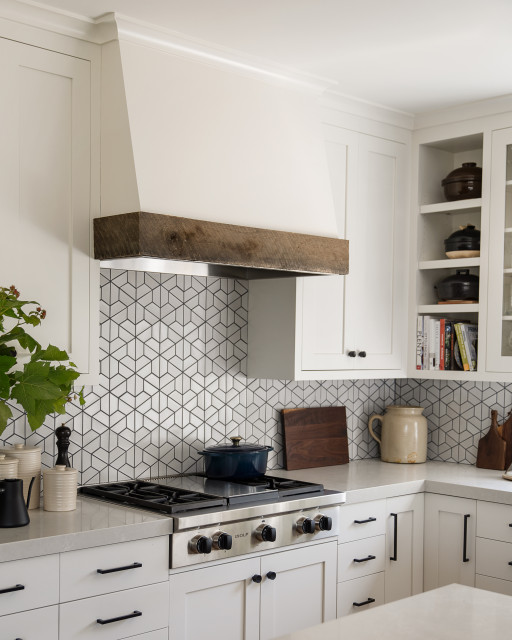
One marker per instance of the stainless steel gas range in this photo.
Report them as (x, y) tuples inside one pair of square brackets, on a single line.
[(220, 519)]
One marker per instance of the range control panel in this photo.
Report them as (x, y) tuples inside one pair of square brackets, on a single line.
[(227, 540)]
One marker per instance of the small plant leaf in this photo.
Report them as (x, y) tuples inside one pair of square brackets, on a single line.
[(5, 414), (51, 353)]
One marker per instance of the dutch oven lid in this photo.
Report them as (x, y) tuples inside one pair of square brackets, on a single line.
[(461, 275), (468, 171), (236, 447), (469, 231)]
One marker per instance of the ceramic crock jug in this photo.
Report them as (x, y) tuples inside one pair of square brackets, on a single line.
[(403, 435)]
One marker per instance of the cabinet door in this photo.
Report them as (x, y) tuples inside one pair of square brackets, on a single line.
[(404, 544), (303, 592), (363, 313), (499, 318), (216, 602), (45, 181), (449, 549)]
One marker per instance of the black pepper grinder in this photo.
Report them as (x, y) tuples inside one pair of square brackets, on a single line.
[(63, 434)]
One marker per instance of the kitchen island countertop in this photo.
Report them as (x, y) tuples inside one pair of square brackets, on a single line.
[(454, 612), (365, 480)]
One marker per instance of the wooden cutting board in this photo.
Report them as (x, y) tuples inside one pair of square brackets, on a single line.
[(505, 431), (492, 448), (315, 437)]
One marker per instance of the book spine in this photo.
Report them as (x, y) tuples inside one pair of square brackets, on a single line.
[(432, 344), (462, 347), (472, 331), (419, 343), (442, 328), (448, 345), (426, 326), (437, 344), (470, 351)]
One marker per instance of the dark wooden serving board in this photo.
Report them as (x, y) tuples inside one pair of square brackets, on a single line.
[(492, 448), (315, 437)]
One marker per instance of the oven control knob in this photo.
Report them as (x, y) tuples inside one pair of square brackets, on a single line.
[(266, 533), (200, 544), (306, 525), (222, 541), (323, 523)]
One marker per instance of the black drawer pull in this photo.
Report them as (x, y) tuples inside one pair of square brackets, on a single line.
[(395, 537), (135, 614), (135, 565), (465, 539), (362, 604), (510, 563), (18, 587), (365, 521), (364, 559)]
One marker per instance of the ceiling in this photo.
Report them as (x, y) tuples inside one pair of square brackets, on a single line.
[(409, 55)]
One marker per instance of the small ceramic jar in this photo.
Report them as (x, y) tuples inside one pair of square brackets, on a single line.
[(59, 488), (8, 467), (29, 466)]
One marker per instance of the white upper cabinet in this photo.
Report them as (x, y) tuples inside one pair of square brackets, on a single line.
[(46, 181), (333, 326)]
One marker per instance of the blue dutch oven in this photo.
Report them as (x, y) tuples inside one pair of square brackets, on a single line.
[(235, 460)]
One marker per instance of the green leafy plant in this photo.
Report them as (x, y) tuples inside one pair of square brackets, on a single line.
[(43, 384)]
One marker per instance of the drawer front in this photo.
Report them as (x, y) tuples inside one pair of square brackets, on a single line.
[(361, 557), (79, 619), (362, 520), (161, 634), (361, 591), (494, 584), (494, 521), (37, 624), (39, 578), (123, 566), (493, 557)]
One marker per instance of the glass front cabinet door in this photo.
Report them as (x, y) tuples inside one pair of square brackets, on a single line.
[(499, 321)]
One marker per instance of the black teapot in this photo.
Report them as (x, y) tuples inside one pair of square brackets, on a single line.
[(13, 510)]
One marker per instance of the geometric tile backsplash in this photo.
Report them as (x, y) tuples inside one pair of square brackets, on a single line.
[(173, 353)]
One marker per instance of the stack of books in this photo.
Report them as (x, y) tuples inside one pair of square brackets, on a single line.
[(445, 344)]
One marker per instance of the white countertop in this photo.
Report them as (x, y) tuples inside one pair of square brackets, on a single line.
[(365, 480), (454, 612), (93, 523)]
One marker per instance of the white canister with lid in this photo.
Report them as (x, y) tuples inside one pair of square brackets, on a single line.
[(8, 467), (29, 466), (59, 488)]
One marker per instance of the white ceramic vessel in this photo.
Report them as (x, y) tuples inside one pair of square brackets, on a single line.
[(403, 435), (29, 466), (59, 488), (8, 467)]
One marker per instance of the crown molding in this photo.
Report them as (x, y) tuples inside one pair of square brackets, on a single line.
[(179, 44), (468, 111)]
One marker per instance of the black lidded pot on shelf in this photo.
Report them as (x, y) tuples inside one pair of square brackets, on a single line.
[(463, 243), (463, 183), (461, 286)]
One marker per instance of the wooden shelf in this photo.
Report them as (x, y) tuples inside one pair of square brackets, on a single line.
[(507, 230), (474, 204), (442, 309), (446, 375), (455, 263), (508, 318)]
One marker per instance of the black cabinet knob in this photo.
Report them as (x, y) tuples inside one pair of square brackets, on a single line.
[(256, 578), (271, 575), (323, 523), (266, 533), (362, 354), (351, 354)]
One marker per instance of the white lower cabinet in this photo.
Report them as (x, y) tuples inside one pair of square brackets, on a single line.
[(449, 549), (255, 599), (29, 584), (116, 615), (37, 624), (494, 547), (404, 546)]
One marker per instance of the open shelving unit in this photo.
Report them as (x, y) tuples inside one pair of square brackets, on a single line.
[(436, 220)]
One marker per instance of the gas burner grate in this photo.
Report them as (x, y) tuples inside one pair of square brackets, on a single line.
[(284, 486), (154, 496)]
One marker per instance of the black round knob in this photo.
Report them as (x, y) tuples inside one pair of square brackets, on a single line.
[(271, 575), (266, 533), (308, 525), (225, 541), (324, 523), (351, 354), (362, 354), (204, 544), (257, 579)]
